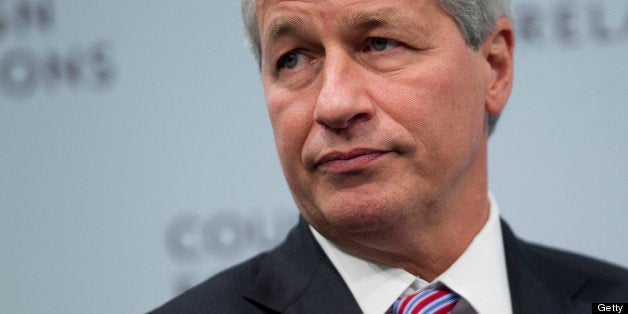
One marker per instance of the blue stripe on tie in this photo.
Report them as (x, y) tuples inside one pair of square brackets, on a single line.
[(439, 303), (396, 306), (416, 299)]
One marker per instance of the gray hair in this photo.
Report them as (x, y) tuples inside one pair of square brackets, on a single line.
[(476, 19)]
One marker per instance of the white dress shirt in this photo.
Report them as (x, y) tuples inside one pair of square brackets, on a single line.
[(479, 275)]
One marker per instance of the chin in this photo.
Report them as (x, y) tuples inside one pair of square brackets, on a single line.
[(360, 209), (359, 216)]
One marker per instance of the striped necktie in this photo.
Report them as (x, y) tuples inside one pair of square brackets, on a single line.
[(428, 301)]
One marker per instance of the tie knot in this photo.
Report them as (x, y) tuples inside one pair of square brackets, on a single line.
[(430, 301)]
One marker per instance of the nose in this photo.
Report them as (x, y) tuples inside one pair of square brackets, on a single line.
[(342, 100)]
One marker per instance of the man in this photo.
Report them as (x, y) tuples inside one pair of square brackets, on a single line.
[(381, 112)]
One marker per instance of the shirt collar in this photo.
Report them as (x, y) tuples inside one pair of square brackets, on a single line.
[(478, 275), (374, 286)]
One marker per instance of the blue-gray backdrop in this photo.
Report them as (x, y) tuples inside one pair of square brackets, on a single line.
[(136, 157)]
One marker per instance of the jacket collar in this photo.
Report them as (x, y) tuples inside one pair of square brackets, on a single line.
[(536, 280), (297, 277)]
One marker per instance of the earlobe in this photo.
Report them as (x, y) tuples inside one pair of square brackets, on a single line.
[(498, 51)]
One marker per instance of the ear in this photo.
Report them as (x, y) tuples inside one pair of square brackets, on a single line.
[(497, 50)]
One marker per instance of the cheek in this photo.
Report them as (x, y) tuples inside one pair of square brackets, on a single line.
[(458, 114), (439, 103), (291, 120), (417, 103), (448, 95)]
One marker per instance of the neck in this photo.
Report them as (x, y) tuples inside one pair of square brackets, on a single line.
[(428, 242)]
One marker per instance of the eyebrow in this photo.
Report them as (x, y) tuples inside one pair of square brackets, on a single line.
[(294, 26), (284, 27), (369, 20), (288, 26)]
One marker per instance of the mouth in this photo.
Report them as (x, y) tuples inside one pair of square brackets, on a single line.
[(350, 161)]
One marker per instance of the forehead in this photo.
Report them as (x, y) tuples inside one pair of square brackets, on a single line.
[(266, 7), (276, 13)]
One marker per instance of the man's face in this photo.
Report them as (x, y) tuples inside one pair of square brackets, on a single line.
[(377, 107)]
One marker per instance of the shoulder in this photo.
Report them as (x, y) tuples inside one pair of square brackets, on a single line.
[(558, 259), (271, 280), (601, 276), (561, 272), (222, 291)]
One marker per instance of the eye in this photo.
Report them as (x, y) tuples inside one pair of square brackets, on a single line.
[(381, 44), (290, 60)]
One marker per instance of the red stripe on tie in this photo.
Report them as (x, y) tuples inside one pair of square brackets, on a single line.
[(405, 302), (427, 301)]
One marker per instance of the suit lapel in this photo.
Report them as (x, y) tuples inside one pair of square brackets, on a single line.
[(297, 277), (536, 283)]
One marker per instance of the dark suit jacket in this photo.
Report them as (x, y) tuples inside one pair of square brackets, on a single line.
[(297, 277)]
